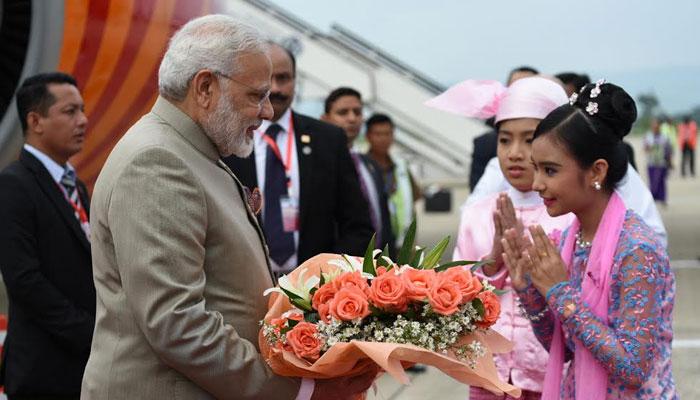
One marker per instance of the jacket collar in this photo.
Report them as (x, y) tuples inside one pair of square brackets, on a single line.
[(186, 127)]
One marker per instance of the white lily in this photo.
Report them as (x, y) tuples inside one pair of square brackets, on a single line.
[(302, 288), (348, 264)]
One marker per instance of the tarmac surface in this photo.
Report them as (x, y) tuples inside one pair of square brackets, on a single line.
[(682, 220)]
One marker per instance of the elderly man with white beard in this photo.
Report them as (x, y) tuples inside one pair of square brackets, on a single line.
[(180, 262)]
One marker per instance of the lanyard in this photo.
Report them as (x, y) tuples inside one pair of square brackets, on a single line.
[(276, 150), (82, 215)]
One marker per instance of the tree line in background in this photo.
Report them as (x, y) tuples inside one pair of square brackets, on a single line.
[(649, 107)]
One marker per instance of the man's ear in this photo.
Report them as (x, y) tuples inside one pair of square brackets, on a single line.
[(204, 85), (34, 122), (325, 117)]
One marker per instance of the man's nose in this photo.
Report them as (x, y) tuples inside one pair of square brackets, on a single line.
[(266, 111)]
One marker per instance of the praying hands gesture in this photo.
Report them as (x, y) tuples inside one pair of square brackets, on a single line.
[(504, 218), (539, 258)]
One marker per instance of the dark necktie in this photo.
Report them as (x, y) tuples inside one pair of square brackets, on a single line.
[(68, 181), (281, 243)]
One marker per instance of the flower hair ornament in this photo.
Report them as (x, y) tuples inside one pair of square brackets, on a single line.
[(592, 107), (573, 98)]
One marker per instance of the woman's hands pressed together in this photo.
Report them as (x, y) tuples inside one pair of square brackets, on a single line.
[(538, 258)]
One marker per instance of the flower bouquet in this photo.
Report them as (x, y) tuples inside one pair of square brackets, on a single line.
[(335, 314)]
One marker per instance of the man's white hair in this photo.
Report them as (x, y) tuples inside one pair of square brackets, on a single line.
[(209, 42)]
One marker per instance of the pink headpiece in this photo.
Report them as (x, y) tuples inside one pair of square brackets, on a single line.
[(533, 97)]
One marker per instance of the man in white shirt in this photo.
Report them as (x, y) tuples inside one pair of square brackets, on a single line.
[(312, 198)]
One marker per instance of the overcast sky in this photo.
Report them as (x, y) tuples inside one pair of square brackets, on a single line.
[(644, 45)]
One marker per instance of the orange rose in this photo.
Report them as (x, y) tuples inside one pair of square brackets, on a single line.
[(444, 296), (418, 282), (388, 292), (281, 322), (321, 298), (492, 309), (381, 271), (304, 341), (468, 284), (348, 304), (351, 279)]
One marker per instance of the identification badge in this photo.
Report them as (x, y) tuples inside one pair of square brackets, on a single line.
[(290, 213)]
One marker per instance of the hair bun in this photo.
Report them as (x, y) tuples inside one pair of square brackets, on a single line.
[(616, 110)]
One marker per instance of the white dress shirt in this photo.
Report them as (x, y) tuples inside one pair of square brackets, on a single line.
[(632, 189), (55, 169), (260, 160), (307, 385)]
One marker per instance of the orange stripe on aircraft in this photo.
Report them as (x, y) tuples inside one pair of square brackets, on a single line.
[(74, 20), (116, 30), (148, 56), (97, 14), (184, 11)]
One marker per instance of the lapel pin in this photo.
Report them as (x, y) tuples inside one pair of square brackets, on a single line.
[(305, 138), (306, 150)]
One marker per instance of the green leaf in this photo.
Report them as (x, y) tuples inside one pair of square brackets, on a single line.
[(382, 262), (415, 262), (312, 291), (435, 254), (385, 252), (446, 266), (312, 317), (301, 304), (323, 279), (407, 247), (479, 306), (500, 292), (292, 323), (480, 264), (368, 262), (292, 296)]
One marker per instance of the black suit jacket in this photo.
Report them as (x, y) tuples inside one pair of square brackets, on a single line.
[(484, 150), (387, 234), (46, 265), (333, 214)]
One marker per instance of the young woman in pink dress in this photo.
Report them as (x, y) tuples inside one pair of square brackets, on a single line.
[(603, 298), (518, 109)]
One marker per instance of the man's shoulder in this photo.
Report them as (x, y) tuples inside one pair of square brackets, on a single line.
[(17, 172), (149, 134), (14, 168), (309, 125)]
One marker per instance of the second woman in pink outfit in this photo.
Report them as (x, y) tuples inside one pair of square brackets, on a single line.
[(518, 109)]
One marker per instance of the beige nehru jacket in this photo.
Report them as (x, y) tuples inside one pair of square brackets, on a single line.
[(180, 265)]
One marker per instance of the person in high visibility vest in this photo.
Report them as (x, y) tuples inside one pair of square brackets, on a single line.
[(400, 185), (687, 139)]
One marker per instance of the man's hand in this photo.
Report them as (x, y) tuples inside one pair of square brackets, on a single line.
[(349, 387)]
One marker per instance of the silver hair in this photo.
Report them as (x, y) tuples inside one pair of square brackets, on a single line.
[(209, 42)]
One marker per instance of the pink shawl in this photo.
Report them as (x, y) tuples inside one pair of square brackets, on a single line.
[(591, 376)]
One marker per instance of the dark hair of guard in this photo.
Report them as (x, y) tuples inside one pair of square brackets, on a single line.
[(522, 68), (338, 93), (599, 136), (33, 94), (378, 119)]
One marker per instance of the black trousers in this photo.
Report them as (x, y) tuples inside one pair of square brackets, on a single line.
[(688, 158)]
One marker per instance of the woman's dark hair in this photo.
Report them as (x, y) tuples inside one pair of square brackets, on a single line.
[(589, 135)]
